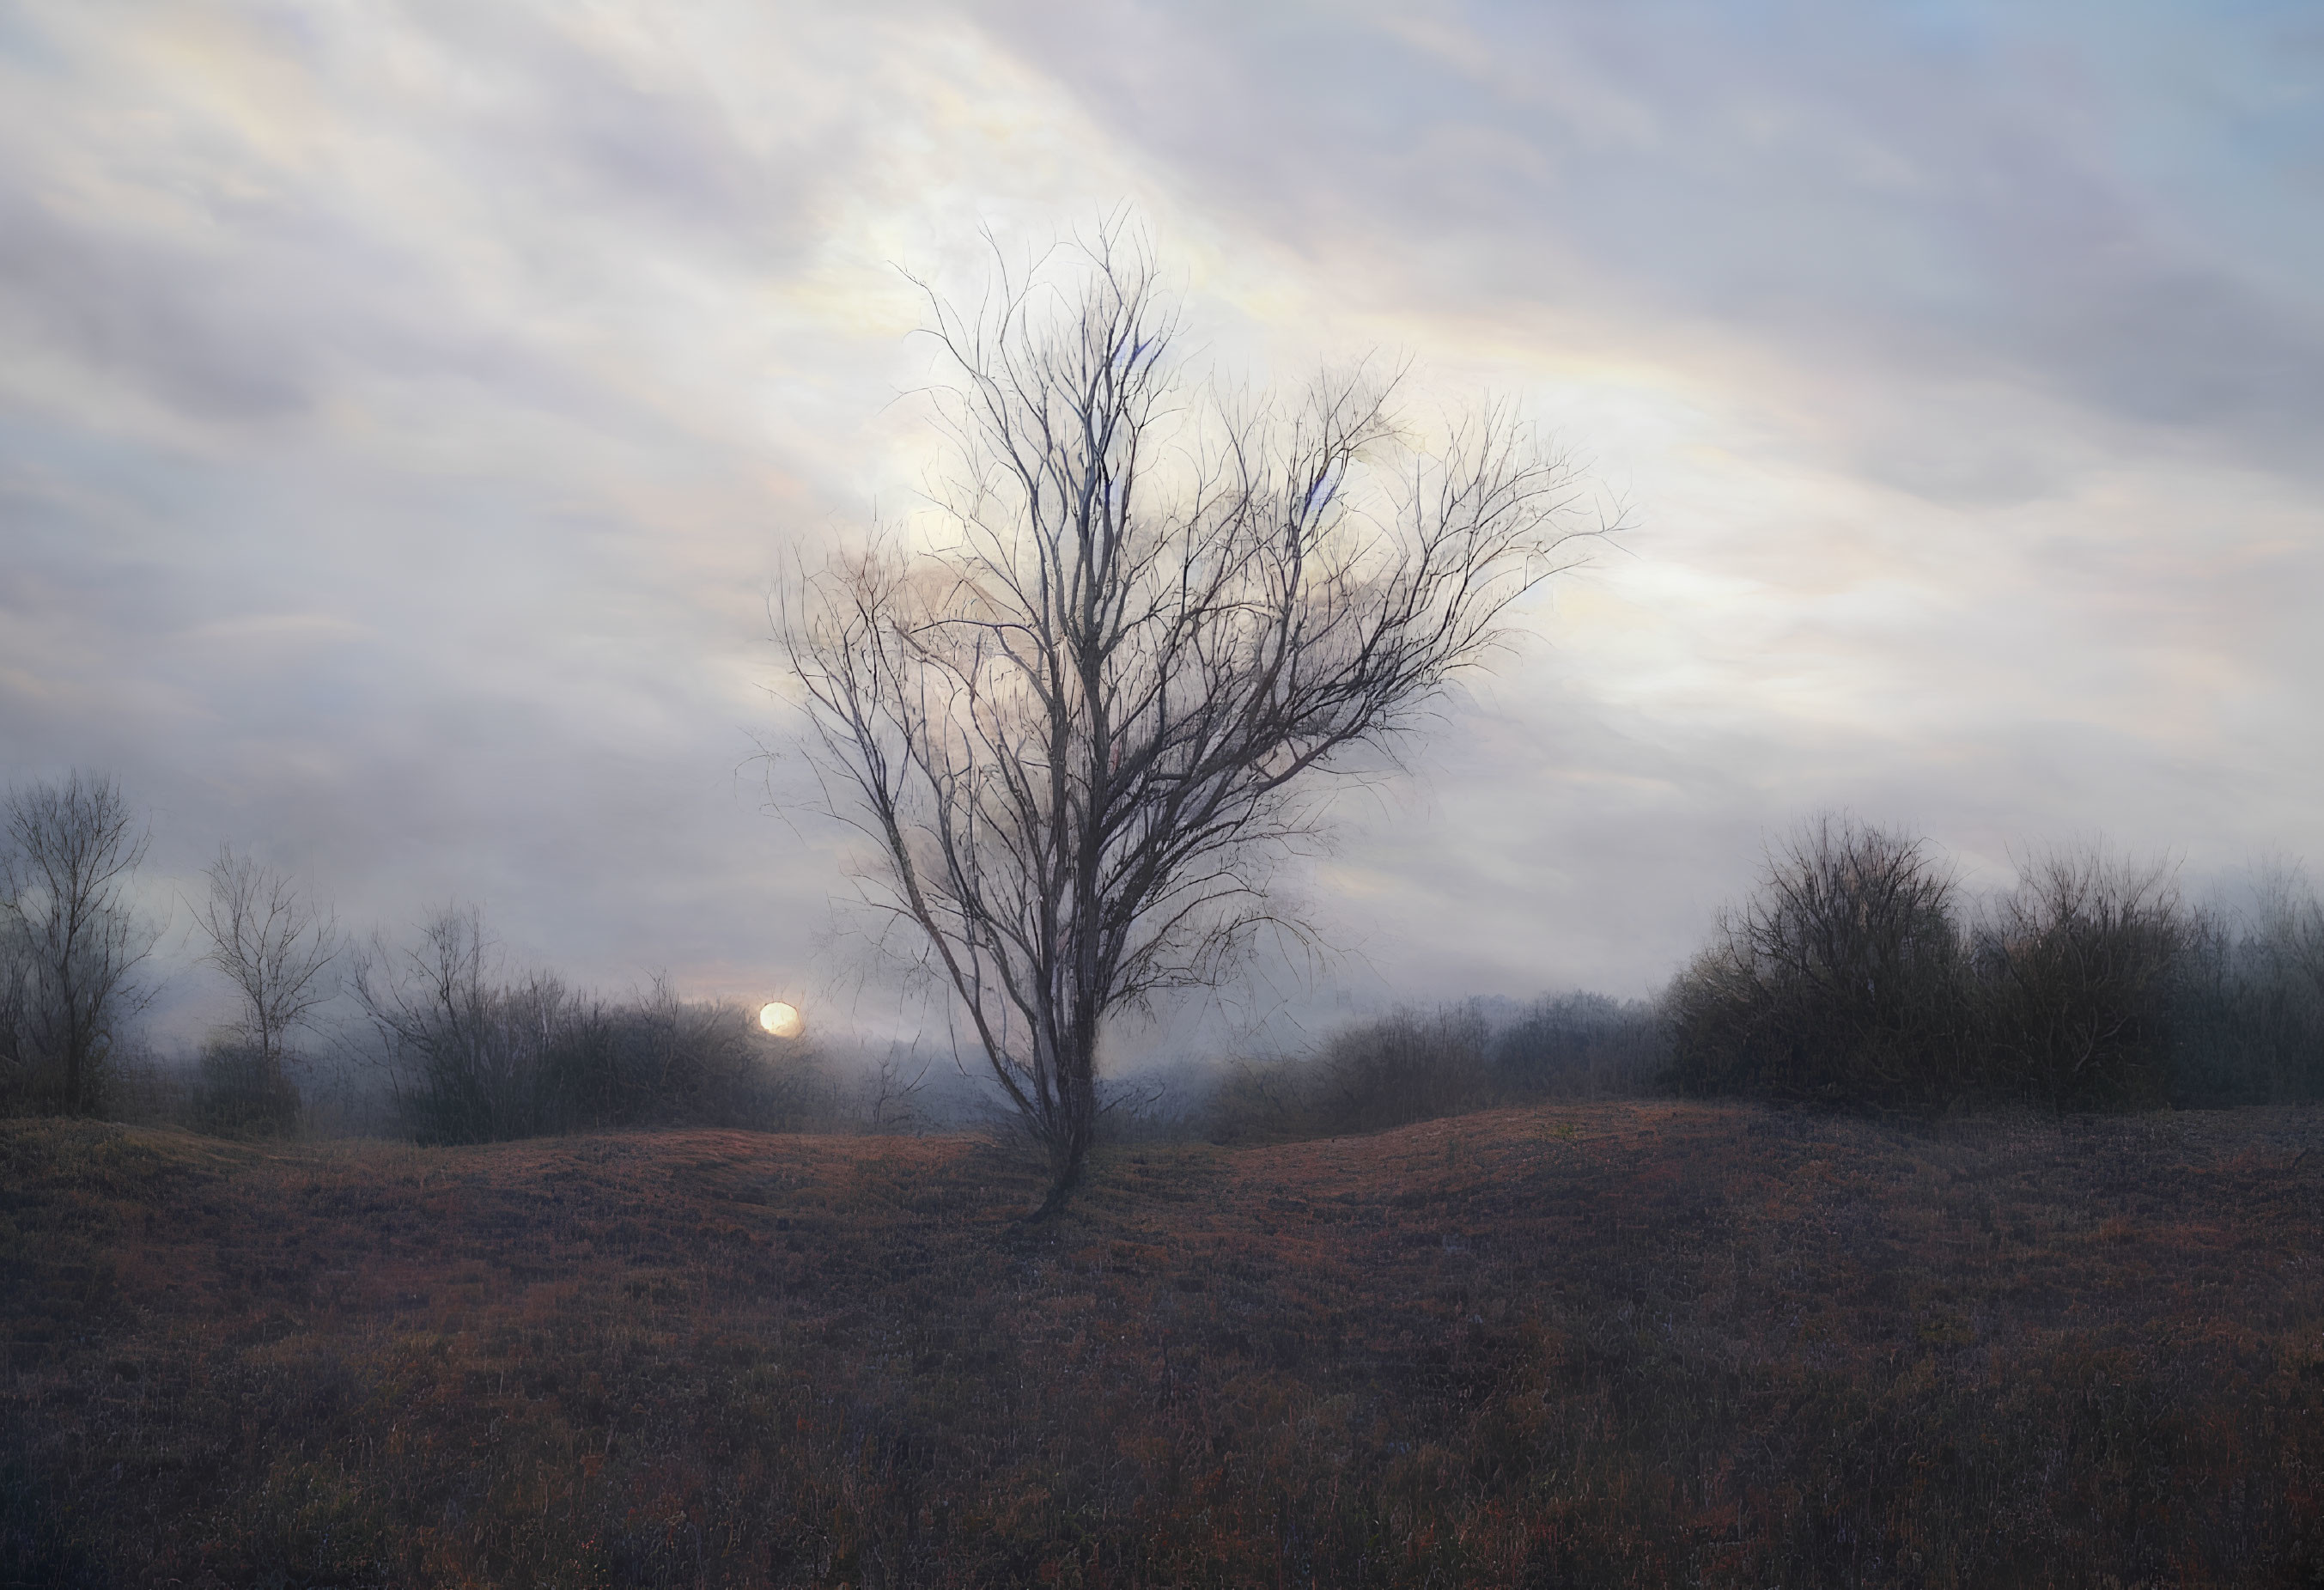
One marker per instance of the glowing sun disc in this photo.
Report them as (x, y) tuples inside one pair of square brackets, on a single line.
[(780, 1019)]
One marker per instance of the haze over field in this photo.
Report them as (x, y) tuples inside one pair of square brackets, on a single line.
[(405, 412)]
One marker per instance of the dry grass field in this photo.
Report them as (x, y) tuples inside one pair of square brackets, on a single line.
[(1612, 1344)]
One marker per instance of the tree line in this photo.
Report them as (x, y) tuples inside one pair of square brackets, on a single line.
[(1859, 973), (446, 1043)]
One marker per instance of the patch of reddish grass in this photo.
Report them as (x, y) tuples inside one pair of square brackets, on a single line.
[(1595, 1345)]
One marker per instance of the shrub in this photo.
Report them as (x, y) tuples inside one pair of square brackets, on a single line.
[(1840, 980), (475, 1059), (1259, 1101), (1424, 1065), (1405, 1066), (241, 1092), (1847, 977), (2076, 972)]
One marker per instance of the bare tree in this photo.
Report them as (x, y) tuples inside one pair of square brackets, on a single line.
[(70, 936), (274, 943), (890, 1094), (1086, 719)]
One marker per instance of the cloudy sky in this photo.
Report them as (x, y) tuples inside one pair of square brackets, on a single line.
[(405, 410)]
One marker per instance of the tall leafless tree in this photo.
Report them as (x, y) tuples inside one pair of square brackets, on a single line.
[(1086, 717), (69, 938), (275, 944)]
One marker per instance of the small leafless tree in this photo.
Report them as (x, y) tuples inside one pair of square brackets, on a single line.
[(1085, 720), (891, 1094), (274, 943), (69, 938)]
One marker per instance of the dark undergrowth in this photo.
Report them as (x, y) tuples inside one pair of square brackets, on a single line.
[(1596, 1346)]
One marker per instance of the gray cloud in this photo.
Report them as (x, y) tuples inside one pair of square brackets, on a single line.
[(147, 315), (1862, 188)]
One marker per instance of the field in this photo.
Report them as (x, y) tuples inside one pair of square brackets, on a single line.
[(1613, 1345)]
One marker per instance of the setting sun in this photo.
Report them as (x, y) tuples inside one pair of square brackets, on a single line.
[(780, 1019)]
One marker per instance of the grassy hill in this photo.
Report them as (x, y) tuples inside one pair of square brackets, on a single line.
[(1595, 1345)]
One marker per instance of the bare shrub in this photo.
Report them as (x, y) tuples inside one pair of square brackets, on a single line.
[(2077, 967), (1259, 1101), (1405, 1066), (1839, 980), (240, 1091), (476, 1055), (889, 1095)]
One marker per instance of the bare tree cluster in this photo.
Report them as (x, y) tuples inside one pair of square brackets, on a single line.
[(1579, 1046), (1084, 721), (71, 941), (1405, 1067), (469, 1051), (477, 1055), (1856, 973)]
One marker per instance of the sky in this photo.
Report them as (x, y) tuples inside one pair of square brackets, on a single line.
[(406, 412)]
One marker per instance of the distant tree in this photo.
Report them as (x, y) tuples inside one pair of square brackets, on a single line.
[(274, 943), (1085, 722), (2278, 979), (71, 940), (1838, 979), (277, 947)]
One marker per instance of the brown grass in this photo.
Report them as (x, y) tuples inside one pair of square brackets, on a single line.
[(1601, 1345)]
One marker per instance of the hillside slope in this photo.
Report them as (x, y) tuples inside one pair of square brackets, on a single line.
[(1595, 1345)]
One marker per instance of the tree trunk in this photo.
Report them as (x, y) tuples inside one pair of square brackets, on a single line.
[(1076, 1130)]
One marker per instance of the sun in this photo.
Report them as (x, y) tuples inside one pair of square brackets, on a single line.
[(780, 1019)]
